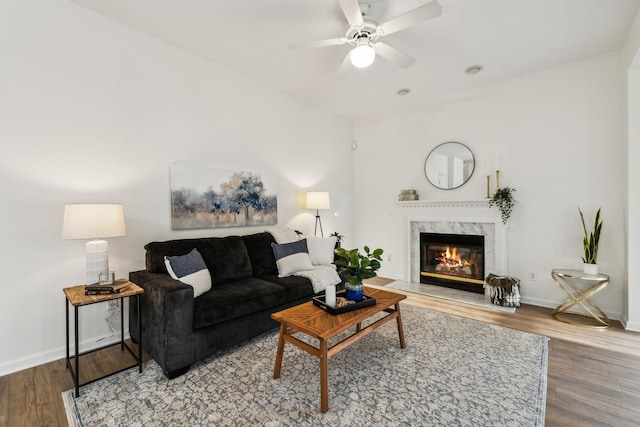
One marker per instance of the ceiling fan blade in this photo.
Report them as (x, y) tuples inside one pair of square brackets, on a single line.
[(318, 43), (345, 67), (351, 10), (413, 17), (393, 55)]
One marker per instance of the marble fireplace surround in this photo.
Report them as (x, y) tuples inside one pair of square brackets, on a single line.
[(460, 217)]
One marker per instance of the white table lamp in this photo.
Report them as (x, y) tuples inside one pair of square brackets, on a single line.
[(318, 200), (94, 221)]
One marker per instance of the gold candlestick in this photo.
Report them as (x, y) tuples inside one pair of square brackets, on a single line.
[(488, 186), (497, 179)]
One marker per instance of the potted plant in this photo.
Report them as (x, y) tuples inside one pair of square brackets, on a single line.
[(503, 199), (358, 267), (338, 237), (590, 243)]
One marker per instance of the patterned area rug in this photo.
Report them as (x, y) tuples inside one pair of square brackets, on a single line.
[(454, 371)]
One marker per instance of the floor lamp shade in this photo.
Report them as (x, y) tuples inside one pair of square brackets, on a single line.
[(318, 200), (94, 221)]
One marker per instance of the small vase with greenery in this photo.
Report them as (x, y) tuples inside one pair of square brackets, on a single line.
[(358, 267), (590, 243), (503, 199), (338, 237)]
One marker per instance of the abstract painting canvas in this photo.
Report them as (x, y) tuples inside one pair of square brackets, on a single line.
[(204, 197)]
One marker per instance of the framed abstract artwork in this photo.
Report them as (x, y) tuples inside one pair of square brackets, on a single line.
[(205, 197)]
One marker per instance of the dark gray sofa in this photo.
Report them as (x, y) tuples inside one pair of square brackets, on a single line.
[(178, 329)]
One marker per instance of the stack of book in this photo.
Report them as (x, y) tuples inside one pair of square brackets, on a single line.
[(407, 195), (112, 288)]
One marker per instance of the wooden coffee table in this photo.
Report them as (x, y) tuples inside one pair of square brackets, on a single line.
[(317, 323)]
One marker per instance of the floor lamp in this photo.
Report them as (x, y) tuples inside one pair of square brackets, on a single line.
[(94, 221), (318, 200)]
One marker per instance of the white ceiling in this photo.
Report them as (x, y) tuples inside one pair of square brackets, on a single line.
[(508, 37)]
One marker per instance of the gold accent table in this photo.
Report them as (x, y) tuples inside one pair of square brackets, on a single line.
[(580, 287), (317, 323), (76, 297)]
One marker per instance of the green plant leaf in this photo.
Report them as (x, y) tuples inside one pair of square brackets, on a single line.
[(357, 266), (591, 240), (503, 199)]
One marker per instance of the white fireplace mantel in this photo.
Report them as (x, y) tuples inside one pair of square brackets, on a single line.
[(460, 217)]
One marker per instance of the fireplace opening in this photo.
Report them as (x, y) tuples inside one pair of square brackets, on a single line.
[(452, 260)]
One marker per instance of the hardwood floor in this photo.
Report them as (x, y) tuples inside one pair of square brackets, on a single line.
[(593, 375)]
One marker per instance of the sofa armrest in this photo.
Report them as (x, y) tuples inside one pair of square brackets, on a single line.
[(167, 320)]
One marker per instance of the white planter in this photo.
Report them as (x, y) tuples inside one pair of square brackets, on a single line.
[(590, 269)]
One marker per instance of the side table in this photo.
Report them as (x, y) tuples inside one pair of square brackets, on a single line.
[(76, 297), (580, 287)]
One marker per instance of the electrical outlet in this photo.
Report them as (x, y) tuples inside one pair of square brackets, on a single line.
[(532, 276)]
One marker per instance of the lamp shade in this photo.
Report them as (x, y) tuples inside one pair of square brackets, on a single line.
[(93, 221), (318, 200)]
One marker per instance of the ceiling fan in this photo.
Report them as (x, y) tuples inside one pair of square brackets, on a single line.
[(363, 33)]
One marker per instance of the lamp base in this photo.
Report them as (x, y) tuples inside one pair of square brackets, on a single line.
[(315, 232), (97, 254)]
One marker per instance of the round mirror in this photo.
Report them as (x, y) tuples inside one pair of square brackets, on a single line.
[(449, 165)]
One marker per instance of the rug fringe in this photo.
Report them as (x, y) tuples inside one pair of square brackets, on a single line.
[(73, 416)]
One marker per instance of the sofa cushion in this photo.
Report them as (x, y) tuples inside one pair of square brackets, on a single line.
[(232, 300), (260, 253), (190, 269), (296, 287), (291, 257), (227, 259)]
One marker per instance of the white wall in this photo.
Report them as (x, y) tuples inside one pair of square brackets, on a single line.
[(559, 137), (93, 111), (631, 64), (632, 308)]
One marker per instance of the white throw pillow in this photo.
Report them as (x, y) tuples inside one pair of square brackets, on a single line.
[(291, 257), (321, 249)]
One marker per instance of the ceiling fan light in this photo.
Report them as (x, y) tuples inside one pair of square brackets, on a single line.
[(363, 55)]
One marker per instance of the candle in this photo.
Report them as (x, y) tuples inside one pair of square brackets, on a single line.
[(488, 186), (330, 296)]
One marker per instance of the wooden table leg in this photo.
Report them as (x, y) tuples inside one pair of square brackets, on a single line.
[(279, 354), (324, 377), (400, 329)]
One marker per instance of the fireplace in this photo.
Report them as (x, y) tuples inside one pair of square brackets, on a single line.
[(452, 260), (472, 218)]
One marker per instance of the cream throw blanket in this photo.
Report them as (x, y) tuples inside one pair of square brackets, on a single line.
[(320, 276)]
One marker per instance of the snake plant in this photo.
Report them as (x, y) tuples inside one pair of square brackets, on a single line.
[(591, 240)]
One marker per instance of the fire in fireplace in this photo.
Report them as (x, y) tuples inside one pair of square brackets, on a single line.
[(452, 260)]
